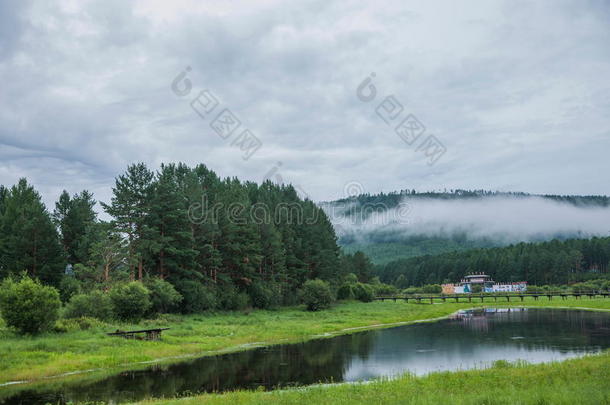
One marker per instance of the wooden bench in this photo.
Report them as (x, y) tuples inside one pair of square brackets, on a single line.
[(144, 334)]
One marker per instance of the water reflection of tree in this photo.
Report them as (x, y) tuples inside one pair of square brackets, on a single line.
[(562, 329), (322, 360)]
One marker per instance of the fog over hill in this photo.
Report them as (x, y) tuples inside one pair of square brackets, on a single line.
[(454, 221)]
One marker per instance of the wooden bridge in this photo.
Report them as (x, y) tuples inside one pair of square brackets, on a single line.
[(470, 297)]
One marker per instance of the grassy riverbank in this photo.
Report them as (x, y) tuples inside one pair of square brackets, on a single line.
[(31, 358), (576, 381)]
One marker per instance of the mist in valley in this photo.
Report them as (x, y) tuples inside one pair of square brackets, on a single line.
[(497, 219)]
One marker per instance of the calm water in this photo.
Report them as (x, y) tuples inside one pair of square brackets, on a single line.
[(470, 339)]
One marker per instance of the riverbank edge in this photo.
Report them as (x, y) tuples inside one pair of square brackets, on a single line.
[(133, 366), (232, 349), (356, 392)]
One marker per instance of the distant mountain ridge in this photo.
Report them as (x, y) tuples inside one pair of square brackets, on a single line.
[(392, 199)]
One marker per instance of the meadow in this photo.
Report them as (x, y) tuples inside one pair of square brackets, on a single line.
[(31, 358)]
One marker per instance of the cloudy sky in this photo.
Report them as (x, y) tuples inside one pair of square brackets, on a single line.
[(516, 92)]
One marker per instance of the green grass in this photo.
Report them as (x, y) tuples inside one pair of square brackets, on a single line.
[(32, 358), (577, 381)]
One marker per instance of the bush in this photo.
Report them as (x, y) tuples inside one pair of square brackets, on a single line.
[(130, 301), (240, 301), (589, 286), (29, 306), (351, 278), (95, 304), (364, 292), (76, 324), (163, 296), (411, 290), (196, 297), (289, 298), (231, 299), (68, 287), (345, 292), (264, 295), (384, 289), (437, 289), (316, 295)]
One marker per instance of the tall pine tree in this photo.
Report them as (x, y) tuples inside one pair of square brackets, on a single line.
[(130, 209), (170, 238), (76, 219), (30, 241)]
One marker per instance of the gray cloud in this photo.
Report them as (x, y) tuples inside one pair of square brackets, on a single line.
[(514, 90)]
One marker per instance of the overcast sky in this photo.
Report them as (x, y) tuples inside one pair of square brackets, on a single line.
[(518, 93)]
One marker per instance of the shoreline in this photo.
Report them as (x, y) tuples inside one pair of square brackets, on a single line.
[(133, 366)]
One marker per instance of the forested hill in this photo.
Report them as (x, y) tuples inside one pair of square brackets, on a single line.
[(554, 262), (408, 223), (393, 199), (182, 224), (381, 252)]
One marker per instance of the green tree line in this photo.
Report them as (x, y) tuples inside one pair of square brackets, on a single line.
[(392, 199), (554, 262), (207, 236)]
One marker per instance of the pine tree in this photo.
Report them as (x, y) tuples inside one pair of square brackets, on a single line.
[(30, 241), (170, 240), (201, 186), (75, 219), (3, 253), (363, 267), (265, 199), (239, 242), (108, 251), (130, 208)]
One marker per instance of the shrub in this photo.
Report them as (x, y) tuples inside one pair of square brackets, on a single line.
[(240, 301), (230, 298), (316, 295), (95, 304), (411, 290), (589, 286), (29, 306), (264, 295), (345, 292), (384, 289), (130, 301), (364, 292), (68, 287), (76, 324), (289, 298), (351, 278), (196, 297), (437, 289), (163, 296)]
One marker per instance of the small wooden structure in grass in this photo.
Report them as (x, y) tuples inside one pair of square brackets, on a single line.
[(144, 334)]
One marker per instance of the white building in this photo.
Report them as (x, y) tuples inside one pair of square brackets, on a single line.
[(487, 285)]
